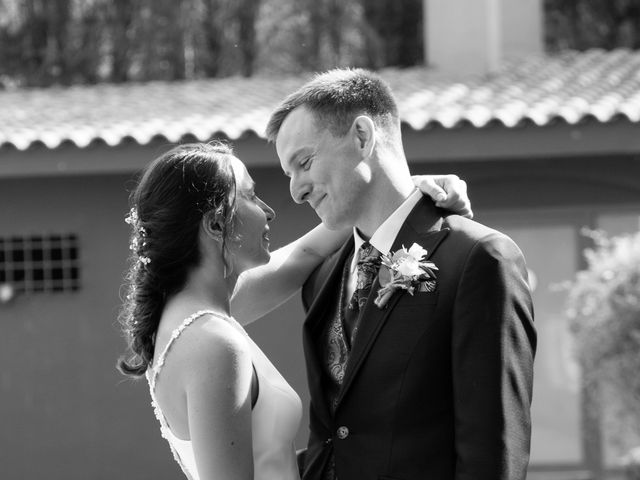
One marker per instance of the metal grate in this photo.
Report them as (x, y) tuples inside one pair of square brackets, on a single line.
[(40, 263)]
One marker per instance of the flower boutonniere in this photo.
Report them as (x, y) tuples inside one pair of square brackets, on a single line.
[(405, 270)]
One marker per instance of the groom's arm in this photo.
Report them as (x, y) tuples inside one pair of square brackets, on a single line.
[(494, 343)]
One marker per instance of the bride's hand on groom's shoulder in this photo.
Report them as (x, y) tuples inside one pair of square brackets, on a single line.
[(448, 192)]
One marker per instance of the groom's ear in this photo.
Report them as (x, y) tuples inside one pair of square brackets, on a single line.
[(364, 135)]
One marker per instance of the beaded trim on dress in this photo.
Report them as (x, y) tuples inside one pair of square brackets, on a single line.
[(152, 375)]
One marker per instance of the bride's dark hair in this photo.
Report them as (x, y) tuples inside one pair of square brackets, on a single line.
[(167, 206)]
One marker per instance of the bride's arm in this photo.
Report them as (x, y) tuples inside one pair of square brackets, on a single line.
[(219, 407), (262, 289)]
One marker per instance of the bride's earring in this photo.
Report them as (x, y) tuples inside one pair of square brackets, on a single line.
[(217, 234), (227, 266)]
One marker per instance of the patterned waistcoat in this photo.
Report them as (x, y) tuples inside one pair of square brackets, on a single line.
[(333, 346)]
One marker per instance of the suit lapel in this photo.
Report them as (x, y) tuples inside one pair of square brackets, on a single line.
[(316, 322), (423, 226), (326, 294)]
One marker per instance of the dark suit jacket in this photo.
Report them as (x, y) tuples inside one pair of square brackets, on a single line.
[(438, 385)]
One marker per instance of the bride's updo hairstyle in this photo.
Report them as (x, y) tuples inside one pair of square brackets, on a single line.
[(167, 206)]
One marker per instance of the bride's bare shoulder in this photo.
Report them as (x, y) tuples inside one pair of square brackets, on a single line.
[(214, 345)]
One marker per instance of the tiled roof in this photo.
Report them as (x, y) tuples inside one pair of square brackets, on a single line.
[(570, 86)]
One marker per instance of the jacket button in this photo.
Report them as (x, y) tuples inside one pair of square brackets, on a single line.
[(343, 432)]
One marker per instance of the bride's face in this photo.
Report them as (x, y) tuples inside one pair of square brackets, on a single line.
[(248, 244)]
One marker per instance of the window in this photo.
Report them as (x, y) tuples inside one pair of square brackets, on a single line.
[(40, 263)]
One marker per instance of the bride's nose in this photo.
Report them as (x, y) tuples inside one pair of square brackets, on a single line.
[(269, 212)]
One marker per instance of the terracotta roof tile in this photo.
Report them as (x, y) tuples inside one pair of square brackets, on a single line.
[(570, 86)]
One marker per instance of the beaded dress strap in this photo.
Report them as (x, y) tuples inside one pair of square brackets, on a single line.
[(174, 335), (152, 375)]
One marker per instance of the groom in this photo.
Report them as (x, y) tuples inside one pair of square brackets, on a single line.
[(433, 384)]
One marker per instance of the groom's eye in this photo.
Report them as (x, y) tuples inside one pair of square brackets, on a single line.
[(306, 163)]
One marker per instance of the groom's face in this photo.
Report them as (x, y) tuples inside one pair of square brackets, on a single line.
[(323, 169)]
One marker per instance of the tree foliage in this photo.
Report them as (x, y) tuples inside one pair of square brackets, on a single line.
[(584, 24), (45, 42), (604, 313)]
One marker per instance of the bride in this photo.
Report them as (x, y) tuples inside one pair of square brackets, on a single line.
[(197, 226)]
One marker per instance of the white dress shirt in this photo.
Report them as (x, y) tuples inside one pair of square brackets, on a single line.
[(383, 238)]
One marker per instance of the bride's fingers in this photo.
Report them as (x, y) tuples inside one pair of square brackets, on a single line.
[(457, 199), (448, 191), (430, 186)]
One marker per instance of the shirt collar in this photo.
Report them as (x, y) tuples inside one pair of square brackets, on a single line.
[(383, 238)]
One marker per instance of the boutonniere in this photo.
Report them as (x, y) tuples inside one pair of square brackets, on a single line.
[(405, 270)]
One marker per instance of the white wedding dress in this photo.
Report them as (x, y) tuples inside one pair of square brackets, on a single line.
[(275, 417)]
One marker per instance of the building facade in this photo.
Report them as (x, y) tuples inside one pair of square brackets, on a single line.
[(539, 172)]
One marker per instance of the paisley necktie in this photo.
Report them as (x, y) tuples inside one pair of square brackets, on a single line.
[(368, 264)]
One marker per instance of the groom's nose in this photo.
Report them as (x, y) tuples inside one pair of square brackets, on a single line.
[(299, 189)]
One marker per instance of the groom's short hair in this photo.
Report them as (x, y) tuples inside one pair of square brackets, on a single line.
[(336, 98)]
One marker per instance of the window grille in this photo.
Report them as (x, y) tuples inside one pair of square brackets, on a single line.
[(40, 263)]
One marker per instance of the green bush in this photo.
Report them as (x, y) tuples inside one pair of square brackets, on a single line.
[(604, 315), (632, 464)]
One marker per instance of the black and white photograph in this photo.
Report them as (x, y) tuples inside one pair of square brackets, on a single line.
[(319, 239)]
